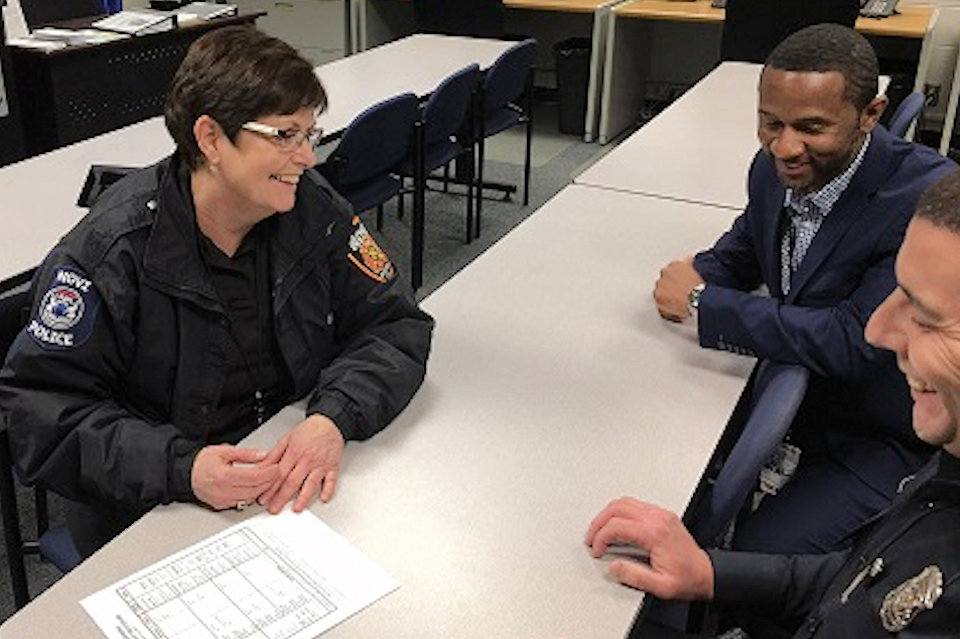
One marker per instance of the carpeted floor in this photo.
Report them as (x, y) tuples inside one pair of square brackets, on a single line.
[(556, 159)]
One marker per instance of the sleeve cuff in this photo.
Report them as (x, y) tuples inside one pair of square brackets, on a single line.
[(181, 470), (740, 577), (340, 410)]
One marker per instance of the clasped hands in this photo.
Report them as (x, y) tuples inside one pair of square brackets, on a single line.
[(303, 463), (677, 567), (672, 290)]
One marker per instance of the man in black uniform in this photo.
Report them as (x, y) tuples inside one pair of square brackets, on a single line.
[(200, 296), (901, 576)]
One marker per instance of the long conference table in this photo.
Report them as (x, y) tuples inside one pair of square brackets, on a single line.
[(697, 150), (553, 387), (39, 194)]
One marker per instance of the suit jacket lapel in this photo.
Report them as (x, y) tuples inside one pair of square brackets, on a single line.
[(773, 204), (848, 209)]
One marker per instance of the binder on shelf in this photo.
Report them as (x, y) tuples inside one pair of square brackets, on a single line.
[(138, 23), (206, 11)]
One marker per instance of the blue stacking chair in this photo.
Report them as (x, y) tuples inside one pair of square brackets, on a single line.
[(52, 543), (505, 101), (906, 114), (775, 395), (444, 134), (760, 421), (363, 167)]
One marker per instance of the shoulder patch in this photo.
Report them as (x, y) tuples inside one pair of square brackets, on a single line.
[(66, 312), (367, 256)]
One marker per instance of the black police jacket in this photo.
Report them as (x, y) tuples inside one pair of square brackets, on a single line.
[(106, 390), (901, 577)]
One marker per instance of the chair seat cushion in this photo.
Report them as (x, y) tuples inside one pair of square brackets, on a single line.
[(500, 120), (56, 546), (366, 195)]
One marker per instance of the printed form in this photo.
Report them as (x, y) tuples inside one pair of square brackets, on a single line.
[(284, 576)]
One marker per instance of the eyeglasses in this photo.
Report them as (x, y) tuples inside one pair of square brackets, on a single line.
[(286, 139)]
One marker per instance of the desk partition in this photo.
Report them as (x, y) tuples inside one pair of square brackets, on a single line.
[(629, 50), (553, 387)]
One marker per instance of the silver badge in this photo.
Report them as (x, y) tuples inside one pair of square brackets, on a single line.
[(907, 600)]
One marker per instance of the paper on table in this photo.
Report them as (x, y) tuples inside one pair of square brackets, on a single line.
[(283, 576)]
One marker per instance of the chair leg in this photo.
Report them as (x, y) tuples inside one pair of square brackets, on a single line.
[(526, 163), (468, 157), (479, 211), (12, 536), (446, 178), (380, 217), (400, 203)]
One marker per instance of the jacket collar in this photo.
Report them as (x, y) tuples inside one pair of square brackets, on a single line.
[(172, 261), (868, 179)]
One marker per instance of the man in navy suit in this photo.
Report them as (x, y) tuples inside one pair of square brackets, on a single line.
[(830, 196)]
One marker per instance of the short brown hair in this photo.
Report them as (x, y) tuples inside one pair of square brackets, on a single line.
[(236, 74)]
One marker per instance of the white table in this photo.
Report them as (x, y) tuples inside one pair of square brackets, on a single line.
[(698, 149), (553, 387), (417, 64), (39, 194)]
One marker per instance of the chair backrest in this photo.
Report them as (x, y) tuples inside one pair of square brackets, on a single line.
[(54, 543), (480, 18), (507, 77), (445, 112), (905, 115), (775, 392), (375, 142), (753, 28)]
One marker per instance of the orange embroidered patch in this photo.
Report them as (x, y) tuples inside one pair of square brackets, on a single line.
[(367, 256)]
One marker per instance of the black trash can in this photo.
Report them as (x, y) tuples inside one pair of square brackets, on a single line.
[(573, 74)]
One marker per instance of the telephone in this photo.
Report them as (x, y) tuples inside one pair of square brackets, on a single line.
[(877, 8)]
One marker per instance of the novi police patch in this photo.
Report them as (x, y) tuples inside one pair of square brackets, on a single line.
[(66, 311)]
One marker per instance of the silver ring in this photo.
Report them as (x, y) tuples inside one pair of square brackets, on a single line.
[(241, 505)]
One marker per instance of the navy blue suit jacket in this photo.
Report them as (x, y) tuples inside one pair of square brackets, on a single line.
[(858, 406)]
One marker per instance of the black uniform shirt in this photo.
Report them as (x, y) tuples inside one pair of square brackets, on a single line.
[(252, 358)]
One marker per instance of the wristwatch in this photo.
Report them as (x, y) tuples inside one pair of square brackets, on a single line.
[(693, 301)]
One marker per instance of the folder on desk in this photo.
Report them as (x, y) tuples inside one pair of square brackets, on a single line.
[(207, 10), (137, 23)]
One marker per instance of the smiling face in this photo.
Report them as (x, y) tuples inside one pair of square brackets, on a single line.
[(260, 178), (809, 126), (920, 322)]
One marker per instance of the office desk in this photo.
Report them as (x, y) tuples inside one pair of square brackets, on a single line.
[(597, 10), (698, 149), (628, 51), (39, 194), (79, 92), (553, 387)]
